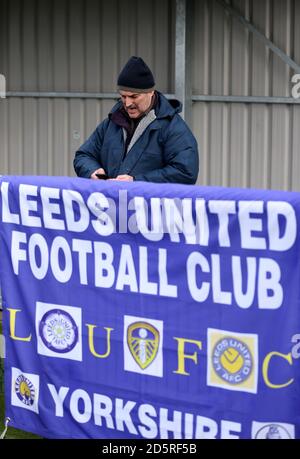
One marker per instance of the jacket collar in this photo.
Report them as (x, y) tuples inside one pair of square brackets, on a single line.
[(164, 109), (167, 108)]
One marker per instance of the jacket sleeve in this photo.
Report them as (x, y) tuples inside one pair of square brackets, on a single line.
[(180, 156), (87, 158)]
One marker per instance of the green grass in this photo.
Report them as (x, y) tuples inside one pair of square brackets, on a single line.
[(11, 432)]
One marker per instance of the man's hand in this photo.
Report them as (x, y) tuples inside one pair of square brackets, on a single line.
[(123, 178), (98, 171)]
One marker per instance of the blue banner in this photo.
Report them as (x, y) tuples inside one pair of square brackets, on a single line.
[(135, 310)]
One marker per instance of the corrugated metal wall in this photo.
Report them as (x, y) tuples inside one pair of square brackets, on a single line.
[(246, 145), (77, 45), (71, 45)]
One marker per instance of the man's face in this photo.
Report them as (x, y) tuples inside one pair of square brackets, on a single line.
[(136, 104)]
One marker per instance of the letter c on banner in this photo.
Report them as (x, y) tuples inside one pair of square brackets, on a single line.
[(265, 368)]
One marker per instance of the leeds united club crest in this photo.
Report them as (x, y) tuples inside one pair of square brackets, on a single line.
[(143, 342), (58, 331)]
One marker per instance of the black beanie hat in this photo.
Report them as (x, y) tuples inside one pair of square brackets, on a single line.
[(136, 76)]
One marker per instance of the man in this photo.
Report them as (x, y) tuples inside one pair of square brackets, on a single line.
[(143, 138)]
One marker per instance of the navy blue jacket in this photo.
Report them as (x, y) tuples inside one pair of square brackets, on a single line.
[(165, 152)]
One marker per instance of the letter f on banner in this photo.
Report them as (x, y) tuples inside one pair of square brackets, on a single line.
[(182, 356)]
